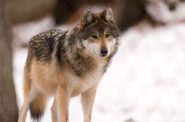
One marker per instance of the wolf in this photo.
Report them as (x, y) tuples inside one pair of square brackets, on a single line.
[(69, 63)]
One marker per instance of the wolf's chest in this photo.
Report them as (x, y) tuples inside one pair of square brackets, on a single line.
[(79, 85)]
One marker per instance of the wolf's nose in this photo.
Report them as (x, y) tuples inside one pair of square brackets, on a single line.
[(104, 52)]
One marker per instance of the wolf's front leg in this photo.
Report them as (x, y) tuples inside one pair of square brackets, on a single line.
[(87, 103), (62, 103)]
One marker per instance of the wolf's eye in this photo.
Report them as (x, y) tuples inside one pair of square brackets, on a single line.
[(107, 35), (94, 36)]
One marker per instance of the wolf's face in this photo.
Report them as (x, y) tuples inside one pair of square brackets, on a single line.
[(99, 34)]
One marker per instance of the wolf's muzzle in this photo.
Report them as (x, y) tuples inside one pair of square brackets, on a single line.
[(104, 51)]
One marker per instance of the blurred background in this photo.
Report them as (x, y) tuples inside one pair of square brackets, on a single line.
[(146, 80)]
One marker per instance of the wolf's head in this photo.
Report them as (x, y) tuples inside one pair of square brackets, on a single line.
[(98, 33)]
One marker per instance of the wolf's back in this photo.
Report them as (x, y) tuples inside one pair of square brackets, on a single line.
[(42, 45)]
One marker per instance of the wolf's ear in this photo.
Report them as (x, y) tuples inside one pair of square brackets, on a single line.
[(87, 18), (107, 15)]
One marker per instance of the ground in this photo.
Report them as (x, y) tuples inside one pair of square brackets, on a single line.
[(144, 83)]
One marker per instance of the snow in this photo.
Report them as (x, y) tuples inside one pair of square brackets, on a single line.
[(144, 83)]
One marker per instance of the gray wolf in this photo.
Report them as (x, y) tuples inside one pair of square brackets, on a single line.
[(65, 64)]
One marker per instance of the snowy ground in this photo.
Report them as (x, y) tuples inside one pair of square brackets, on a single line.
[(145, 82)]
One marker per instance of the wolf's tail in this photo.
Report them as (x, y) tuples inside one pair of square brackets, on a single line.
[(37, 106)]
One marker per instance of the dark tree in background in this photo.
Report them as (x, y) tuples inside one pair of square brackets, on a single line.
[(8, 105)]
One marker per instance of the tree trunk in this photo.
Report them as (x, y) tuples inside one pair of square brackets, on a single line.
[(8, 105)]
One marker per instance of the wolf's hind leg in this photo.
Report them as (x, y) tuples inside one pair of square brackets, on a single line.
[(23, 111)]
